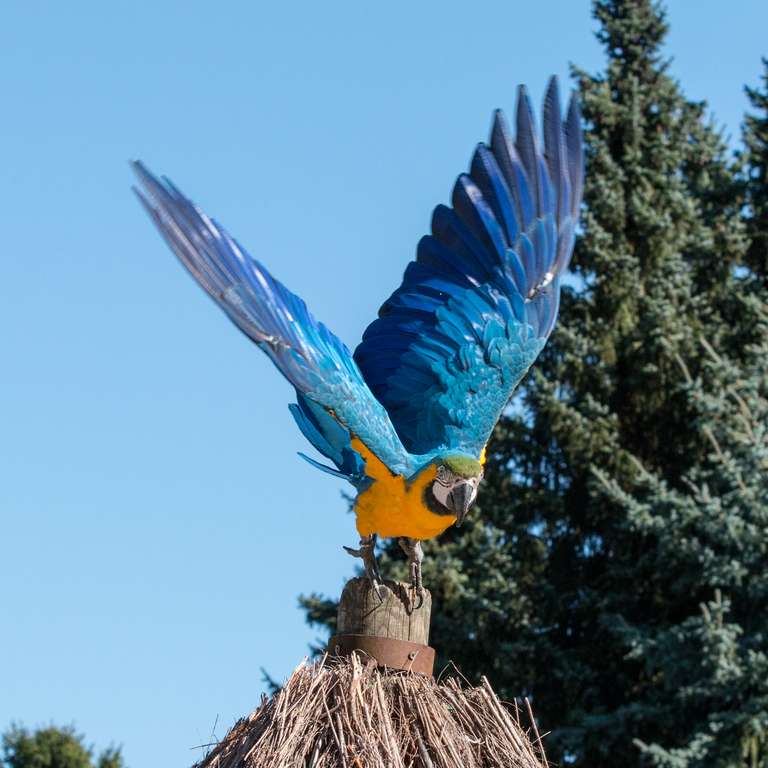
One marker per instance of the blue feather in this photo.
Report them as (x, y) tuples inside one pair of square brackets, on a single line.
[(503, 148), (527, 146), (323, 467), (495, 190), (575, 153), (554, 150), (432, 252), (452, 232), (469, 204)]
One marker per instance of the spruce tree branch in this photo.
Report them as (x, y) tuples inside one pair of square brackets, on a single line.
[(710, 350), (747, 417), (683, 367), (722, 457)]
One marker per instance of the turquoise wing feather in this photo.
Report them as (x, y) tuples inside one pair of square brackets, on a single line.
[(477, 306), (334, 401)]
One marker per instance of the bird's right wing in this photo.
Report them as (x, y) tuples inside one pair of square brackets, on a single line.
[(477, 305), (313, 359)]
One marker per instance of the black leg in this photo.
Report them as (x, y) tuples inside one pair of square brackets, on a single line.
[(415, 554), (366, 553)]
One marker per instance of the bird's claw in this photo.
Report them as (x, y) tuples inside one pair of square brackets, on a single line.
[(365, 552), (415, 554)]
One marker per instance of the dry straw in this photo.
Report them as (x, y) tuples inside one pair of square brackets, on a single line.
[(346, 714)]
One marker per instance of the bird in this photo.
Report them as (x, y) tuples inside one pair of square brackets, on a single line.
[(406, 418)]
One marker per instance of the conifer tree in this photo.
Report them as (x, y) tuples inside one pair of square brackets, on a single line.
[(614, 571), (756, 156), (711, 665)]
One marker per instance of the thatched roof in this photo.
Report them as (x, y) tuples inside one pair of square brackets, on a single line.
[(343, 714)]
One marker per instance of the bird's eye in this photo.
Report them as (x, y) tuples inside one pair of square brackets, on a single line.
[(443, 476)]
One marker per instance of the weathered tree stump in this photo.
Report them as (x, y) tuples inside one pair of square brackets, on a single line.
[(392, 630)]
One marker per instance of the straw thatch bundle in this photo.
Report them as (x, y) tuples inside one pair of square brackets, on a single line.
[(343, 713)]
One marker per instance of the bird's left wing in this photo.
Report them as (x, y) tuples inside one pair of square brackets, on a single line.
[(476, 307), (313, 359)]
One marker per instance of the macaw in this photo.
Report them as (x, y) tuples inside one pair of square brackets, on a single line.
[(406, 418)]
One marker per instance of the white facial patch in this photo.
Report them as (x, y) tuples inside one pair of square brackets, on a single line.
[(441, 492), (443, 484)]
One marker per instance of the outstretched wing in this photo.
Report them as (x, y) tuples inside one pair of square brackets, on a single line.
[(476, 307), (312, 358)]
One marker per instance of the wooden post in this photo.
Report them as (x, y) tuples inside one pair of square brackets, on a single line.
[(392, 629)]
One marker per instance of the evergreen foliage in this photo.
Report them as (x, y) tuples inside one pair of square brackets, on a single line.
[(615, 571), (756, 156), (53, 747)]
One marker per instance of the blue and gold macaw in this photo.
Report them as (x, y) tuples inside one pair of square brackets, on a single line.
[(406, 418)]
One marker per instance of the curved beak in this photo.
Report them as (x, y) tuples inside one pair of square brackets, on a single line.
[(460, 500)]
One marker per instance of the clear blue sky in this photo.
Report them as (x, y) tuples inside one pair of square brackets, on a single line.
[(157, 525)]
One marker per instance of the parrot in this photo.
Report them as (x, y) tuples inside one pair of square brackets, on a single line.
[(406, 418)]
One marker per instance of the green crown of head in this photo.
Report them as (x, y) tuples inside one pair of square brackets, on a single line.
[(463, 466)]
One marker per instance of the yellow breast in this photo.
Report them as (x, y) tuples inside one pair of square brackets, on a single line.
[(393, 507)]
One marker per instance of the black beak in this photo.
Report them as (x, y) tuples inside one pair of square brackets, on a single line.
[(460, 500)]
